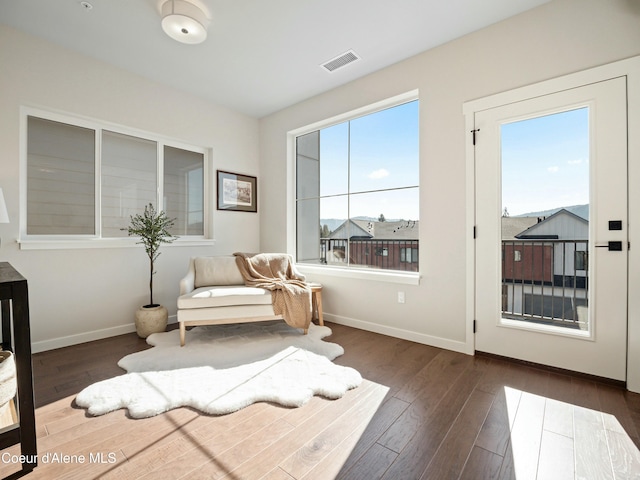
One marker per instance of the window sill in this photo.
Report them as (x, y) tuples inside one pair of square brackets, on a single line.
[(406, 278), (74, 244)]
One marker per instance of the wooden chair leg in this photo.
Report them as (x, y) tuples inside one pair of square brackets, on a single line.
[(319, 307), (183, 331)]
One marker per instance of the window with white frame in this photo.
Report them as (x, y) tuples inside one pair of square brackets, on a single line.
[(357, 191), (87, 181)]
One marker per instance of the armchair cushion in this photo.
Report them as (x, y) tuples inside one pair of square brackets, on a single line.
[(221, 270), (224, 296)]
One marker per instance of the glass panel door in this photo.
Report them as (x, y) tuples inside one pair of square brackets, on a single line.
[(551, 220)]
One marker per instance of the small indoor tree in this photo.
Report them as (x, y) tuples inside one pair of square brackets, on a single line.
[(153, 229)]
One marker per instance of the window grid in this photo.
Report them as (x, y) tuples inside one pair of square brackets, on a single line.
[(311, 200), (106, 178)]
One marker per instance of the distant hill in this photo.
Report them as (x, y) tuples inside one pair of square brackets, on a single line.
[(579, 210)]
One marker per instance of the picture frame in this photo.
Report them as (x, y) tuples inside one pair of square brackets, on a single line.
[(237, 192)]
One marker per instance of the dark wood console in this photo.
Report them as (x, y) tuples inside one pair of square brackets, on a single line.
[(16, 337)]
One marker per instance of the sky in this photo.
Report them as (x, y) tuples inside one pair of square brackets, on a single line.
[(366, 157), (545, 162)]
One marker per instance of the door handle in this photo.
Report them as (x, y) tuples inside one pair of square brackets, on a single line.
[(614, 246)]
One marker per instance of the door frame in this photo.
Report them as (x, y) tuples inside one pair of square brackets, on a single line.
[(629, 68)]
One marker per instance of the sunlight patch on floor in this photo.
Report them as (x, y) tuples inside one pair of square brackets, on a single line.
[(550, 439)]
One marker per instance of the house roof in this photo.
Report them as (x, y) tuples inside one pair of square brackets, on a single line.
[(512, 226), (259, 56), (541, 229), (389, 230), (350, 229)]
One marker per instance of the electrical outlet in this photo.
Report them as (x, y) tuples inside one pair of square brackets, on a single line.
[(400, 297)]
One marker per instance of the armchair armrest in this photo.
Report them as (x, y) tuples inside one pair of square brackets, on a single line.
[(187, 284), (300, 276)]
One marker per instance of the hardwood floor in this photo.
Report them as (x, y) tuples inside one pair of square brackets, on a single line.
[(421, 412)]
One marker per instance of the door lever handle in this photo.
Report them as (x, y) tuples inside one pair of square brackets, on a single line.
[(614, 246)]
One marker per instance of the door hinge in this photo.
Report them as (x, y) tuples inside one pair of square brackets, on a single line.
[(474, 326), (475, 232), (473, 132)]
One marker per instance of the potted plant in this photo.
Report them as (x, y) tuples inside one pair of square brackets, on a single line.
[(153, 229)]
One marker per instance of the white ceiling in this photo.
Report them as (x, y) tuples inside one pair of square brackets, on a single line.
[(260, 55)]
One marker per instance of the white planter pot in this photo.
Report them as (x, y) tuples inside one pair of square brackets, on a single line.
[(151, 320)]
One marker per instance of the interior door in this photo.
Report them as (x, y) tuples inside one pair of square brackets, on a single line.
[(551, 223)]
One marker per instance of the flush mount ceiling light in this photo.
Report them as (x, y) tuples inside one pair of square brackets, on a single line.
[(184, 22)]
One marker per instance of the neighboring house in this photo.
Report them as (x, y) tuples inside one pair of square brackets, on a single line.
[(525, 262), (545, 266), (562, 225), (389, 245), (561, 258)]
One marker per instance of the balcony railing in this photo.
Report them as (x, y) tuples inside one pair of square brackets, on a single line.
[(546, 281), (370, 253), (543, 281)]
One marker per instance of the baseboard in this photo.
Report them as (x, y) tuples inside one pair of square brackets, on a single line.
[(70, 340), (433, 341), (430, 340)]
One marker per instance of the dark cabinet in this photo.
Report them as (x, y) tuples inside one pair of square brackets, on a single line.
[(16, 337)]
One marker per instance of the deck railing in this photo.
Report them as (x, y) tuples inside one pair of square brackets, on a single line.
[(370, 253), (546, 281), (543, 281)]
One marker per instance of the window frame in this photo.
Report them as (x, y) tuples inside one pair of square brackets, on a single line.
[(96, 240), (390, 276)]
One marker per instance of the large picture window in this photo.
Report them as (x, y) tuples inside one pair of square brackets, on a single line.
[(87, 182), (357, 192)]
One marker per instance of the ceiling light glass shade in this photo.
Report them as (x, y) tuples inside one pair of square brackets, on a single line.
[(184, 22)]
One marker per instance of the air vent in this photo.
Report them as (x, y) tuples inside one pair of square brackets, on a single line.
[(340, 61)]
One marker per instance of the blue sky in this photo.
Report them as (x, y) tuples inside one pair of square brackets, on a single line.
[(545, 162), (383, 154)]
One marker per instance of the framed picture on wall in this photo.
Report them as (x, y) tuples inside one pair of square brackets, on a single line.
[(237, 192)]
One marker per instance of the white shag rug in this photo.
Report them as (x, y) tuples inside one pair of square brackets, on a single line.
[(222, 369)]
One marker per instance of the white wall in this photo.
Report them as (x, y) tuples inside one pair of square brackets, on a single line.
[(81, 294), (558, 38)]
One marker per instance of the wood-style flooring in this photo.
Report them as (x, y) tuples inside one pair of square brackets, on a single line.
[(421, 412)]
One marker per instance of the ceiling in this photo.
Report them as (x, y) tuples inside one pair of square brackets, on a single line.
[(260, 55)]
